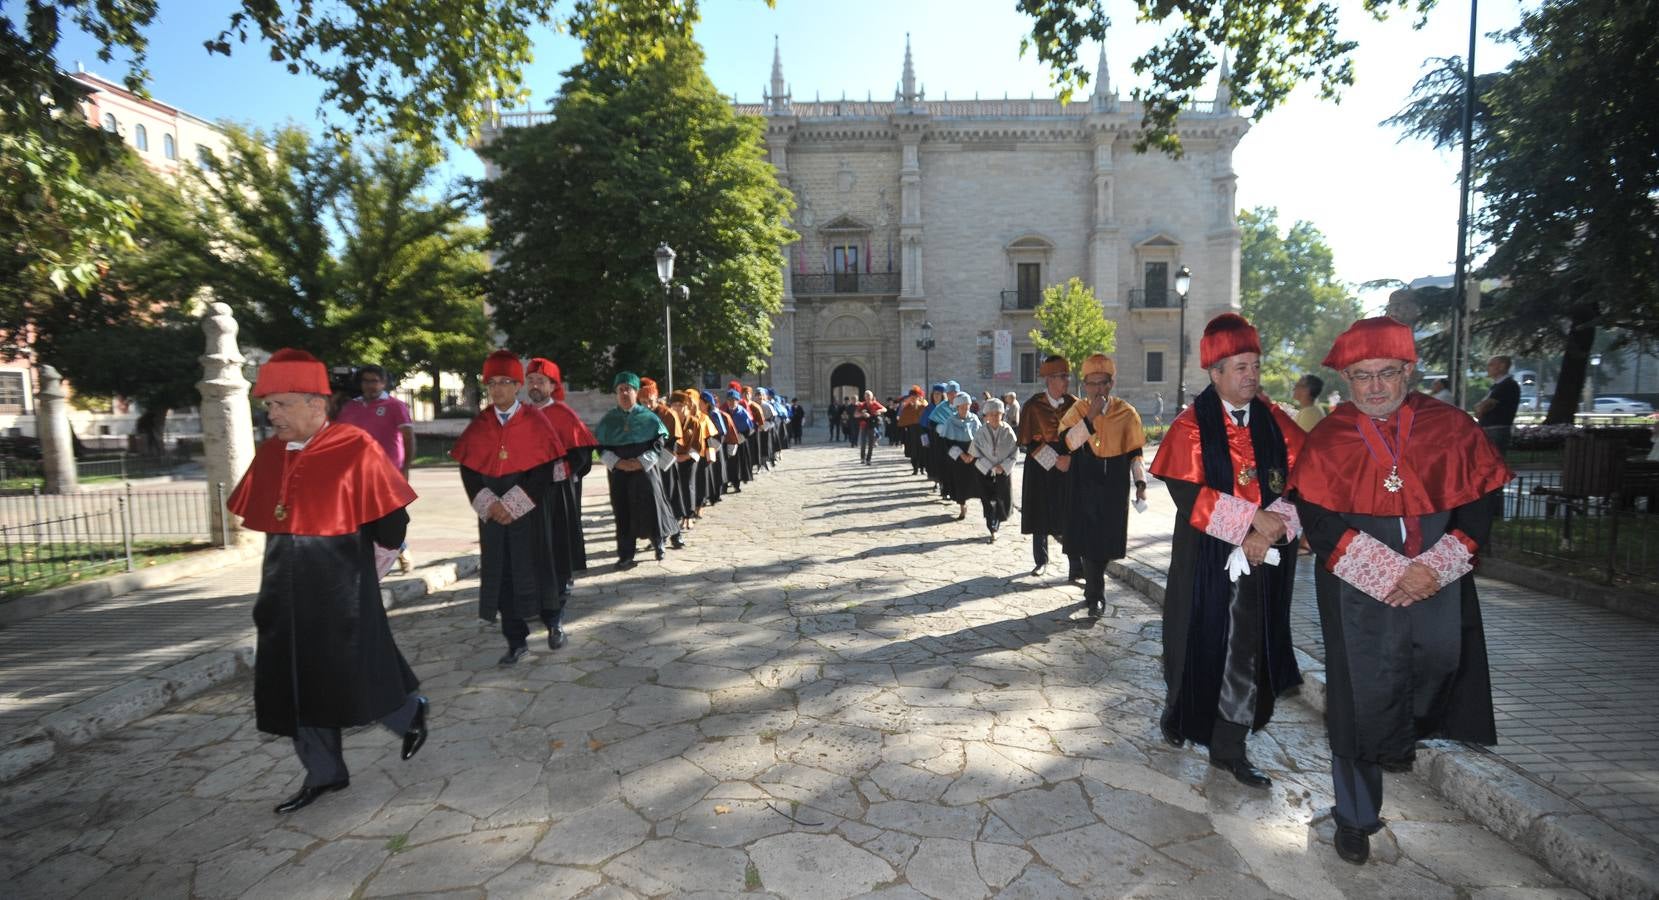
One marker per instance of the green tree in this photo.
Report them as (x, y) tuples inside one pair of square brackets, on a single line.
[(1072, 324), (632, 159), (1275, 46), (1288, 289), (423, 71), (340, 251), (133, 333), (1566, 210)]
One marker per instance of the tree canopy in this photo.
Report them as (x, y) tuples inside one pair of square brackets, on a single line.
[(1288, 289), (1073, 325), (1567, 213), (1274, 45), (343, 252), (632, 159)]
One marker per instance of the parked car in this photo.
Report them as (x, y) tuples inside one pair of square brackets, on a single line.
[(1621, 406)]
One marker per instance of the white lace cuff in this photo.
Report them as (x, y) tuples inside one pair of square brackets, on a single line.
[(1449, 558), (482, 501), (1231, 518), (518, 503), (1286, 510), (1369, 565)]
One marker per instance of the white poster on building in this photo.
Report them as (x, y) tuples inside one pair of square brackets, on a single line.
[(1003, 356)]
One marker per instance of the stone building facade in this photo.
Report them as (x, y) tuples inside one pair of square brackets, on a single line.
[(958, 213)]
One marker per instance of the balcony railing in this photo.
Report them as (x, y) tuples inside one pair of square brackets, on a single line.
[(1141, 298), (847, 283), (1013, 300)]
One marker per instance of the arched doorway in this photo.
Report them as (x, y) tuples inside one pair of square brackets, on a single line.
[(847, 382)]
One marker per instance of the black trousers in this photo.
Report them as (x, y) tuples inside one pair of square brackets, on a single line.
[(515, 629), (1358, 793), (1227, 740), (320, 751), (1039, 554)]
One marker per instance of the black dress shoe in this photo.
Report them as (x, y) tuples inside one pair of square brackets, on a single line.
[(309, 795), (1096, 607), (415, 738), (1352, 844), (556, 638), (1039, 571), (678, 543), (1170, 737), (1243, 770), (513, 655), (625, 564), (659, 552)]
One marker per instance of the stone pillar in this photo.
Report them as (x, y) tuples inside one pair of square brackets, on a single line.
[(227, 423), (57, 444)]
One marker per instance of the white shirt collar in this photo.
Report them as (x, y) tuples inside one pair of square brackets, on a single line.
[(300, 445), (1052, 400), (1232, 409), (502, 417)]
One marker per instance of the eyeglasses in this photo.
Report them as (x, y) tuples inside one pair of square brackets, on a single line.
[(1098, 382), (501, 382), (1388, 376)]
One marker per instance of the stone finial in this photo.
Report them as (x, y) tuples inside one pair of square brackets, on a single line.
[(1102, 75), (1224, 85), (907, 83), (227, 421), (777, 99)]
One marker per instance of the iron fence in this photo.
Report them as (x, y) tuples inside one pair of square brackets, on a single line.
[(1612, 540), (51, 548), (149, 513), (49, 536), (123, 466)]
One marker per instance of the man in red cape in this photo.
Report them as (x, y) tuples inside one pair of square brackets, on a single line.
[(332, 509), (546, 389), (1227, 649), (1395, 489), (506, 456)]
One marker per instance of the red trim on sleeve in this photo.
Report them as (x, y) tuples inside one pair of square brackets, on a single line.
[(1203, 508), (1341, 549), (1467, 541)]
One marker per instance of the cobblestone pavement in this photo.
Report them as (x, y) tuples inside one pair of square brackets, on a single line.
[(836, 690), (1575, 687)]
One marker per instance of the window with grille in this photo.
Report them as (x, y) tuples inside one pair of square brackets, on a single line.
[(1028, 368), (1154, 366), (11, 393)]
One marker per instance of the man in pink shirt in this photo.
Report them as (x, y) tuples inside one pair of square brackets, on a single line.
[(387, 420)]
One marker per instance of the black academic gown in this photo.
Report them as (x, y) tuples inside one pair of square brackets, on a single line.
[(564, 503), (1396, 676), (1097, 511), (638, 501), (1196, 634), (326, 657), (516, 569)]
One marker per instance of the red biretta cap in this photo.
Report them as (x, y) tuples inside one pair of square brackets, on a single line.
[(1379, 337), (291, 372), (1228, 334)]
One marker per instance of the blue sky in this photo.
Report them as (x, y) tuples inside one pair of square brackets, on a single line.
[(1389, 209)]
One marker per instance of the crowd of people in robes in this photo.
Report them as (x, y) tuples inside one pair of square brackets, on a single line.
[(1392, 493), (1393, 523)]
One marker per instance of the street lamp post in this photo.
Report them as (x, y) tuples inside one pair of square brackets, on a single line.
[(925, 344), (665, 274), (1183, 283), (1595, 377)]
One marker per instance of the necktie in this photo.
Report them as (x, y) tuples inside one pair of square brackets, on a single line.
[(1238, 414)]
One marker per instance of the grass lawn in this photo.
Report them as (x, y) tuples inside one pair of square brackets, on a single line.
[(30, 569)]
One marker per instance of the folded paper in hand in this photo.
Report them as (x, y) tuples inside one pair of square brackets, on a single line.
[(1046, 457), (954, 453)]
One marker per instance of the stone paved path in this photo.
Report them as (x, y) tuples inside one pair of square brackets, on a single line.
[(836, 690)]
